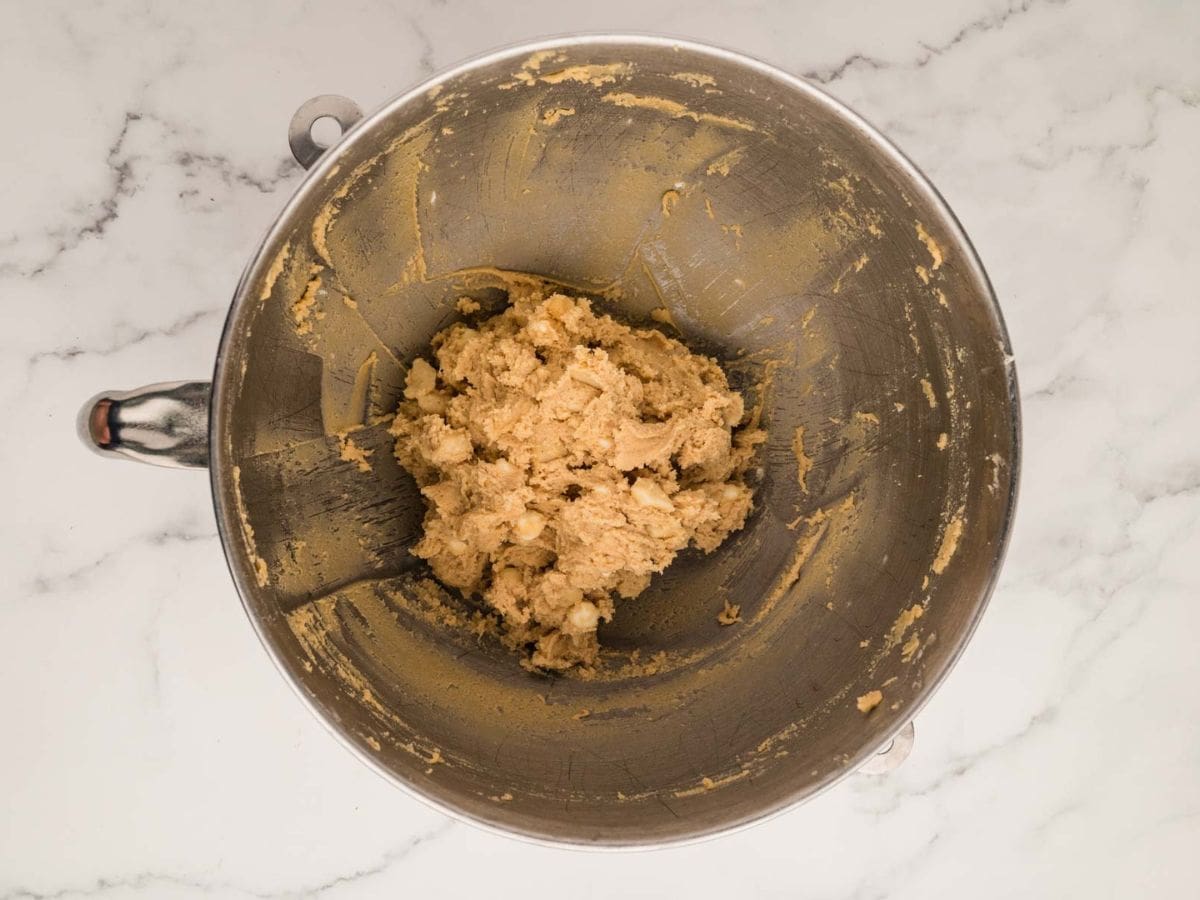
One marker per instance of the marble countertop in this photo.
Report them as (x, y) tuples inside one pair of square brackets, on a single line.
[(151, 749)]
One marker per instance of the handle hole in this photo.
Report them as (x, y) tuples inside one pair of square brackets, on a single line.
[(325, 131)]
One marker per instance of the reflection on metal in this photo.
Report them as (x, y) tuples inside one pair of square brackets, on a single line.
[(162, 424)]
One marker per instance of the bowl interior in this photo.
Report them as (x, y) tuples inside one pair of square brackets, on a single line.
[(785, 240)]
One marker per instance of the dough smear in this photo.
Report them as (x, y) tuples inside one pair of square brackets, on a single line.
[(565, 458)]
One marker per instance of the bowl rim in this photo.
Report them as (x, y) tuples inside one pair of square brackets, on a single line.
[(219, 465)]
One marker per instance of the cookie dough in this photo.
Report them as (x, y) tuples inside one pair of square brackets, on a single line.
[(565, 458)]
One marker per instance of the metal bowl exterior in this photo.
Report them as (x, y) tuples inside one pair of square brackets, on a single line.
[(777, 700)]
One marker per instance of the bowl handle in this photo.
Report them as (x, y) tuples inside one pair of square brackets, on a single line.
[(161, 424), (304, 146), (891, 754)]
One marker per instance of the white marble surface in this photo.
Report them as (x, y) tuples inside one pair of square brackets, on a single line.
[(151, 750)]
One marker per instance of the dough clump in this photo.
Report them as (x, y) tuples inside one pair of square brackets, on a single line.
[(565, 458)]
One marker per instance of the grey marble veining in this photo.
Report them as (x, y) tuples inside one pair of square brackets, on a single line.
[(150, 748)]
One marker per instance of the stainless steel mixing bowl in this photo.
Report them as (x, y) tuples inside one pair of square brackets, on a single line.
[(785, 237)]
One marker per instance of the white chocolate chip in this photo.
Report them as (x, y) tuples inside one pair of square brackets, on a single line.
[(584, 616), (453, 447), (529, 525), (541, 332), (648, 493)]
